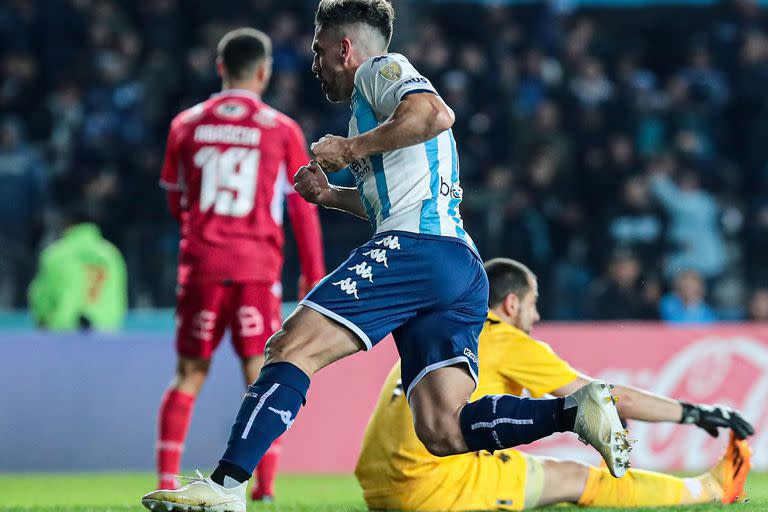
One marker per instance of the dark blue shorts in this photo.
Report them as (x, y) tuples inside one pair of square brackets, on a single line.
[(430, 292)]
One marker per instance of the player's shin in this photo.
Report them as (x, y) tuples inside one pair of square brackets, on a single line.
[(267, 411), (173, 423), (638, 488), (495, 422)]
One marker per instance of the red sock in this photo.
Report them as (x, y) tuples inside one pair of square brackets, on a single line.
[(266, 471), (173, 423)]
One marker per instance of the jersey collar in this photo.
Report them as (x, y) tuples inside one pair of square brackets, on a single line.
[(237, 92), (84, 229), (494, 319)]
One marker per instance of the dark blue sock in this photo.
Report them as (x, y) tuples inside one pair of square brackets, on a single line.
[(267, 411), (496, 422)]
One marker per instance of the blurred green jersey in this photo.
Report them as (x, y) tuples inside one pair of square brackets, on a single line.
[(80, 282)]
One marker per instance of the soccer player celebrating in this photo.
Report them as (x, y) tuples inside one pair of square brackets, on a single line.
[(419, 277), (226, 173), (396, 472)]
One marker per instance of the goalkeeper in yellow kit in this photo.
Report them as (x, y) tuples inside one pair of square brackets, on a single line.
[(397, 473)]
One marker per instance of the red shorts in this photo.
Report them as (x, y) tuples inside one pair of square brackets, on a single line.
[(204, 310)]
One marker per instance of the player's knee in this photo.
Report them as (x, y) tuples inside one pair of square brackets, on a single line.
[(441, 437), (273, 348), (193, 367), (191, 374), (571, 478), (284, 345), (279, 346)]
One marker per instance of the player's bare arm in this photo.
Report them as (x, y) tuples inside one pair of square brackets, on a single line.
[(312, 184), (639, 404), (634, 403), (417, 119)]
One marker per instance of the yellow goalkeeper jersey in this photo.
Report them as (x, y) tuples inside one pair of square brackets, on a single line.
[(394, 462)]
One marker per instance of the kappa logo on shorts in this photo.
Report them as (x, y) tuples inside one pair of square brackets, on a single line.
[(390, 242), (378, 255), (364, 270), (470, 355), (347, 285)]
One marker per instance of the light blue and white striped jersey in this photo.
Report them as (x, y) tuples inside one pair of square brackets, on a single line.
[(414, 189)]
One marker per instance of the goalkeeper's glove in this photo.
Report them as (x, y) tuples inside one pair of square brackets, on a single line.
[(712, 417)]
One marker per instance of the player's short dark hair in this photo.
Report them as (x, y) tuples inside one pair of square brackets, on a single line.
[(507, 276), (242, 49), (78, 213), (378, 14)]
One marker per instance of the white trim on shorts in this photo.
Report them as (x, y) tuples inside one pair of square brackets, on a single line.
[(343, 321), (437, 366)]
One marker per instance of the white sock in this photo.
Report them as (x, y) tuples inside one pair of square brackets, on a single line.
[(230, 483)]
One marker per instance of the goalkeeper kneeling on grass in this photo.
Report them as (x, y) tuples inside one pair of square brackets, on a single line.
[(397, 473)]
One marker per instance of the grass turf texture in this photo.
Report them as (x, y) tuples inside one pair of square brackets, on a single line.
[(120, 492)]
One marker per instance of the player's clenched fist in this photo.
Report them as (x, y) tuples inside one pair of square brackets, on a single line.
[(332, 152), (312, 184)]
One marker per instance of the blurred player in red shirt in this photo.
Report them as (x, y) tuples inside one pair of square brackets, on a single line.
[(228, 170)]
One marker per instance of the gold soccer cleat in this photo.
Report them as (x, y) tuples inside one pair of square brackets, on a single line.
[(201, 494), (598, 425)]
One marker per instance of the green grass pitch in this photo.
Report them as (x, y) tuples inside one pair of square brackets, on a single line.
[(120, 492)]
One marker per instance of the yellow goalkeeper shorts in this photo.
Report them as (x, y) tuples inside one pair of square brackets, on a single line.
[(474, 481)]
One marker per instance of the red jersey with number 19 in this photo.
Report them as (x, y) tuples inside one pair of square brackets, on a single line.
[(229, 166)]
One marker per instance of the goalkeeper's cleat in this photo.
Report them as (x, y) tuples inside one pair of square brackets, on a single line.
[(598, 424), (201, 494), (731, 472)]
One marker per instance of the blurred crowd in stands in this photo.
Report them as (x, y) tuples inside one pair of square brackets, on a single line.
[(621, 153)]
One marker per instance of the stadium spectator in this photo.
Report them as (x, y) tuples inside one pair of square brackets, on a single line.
[(617, 295), (637, 224), (113, 125), (21, 88), (159, 26), (758, 305), (80, 282), (751, 107), (60, 119), (544, 133), (590, 87), (694, 230), (705, 82), (536, 82), (23, 193), (756, 238), (686, 303), (60, 35)]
